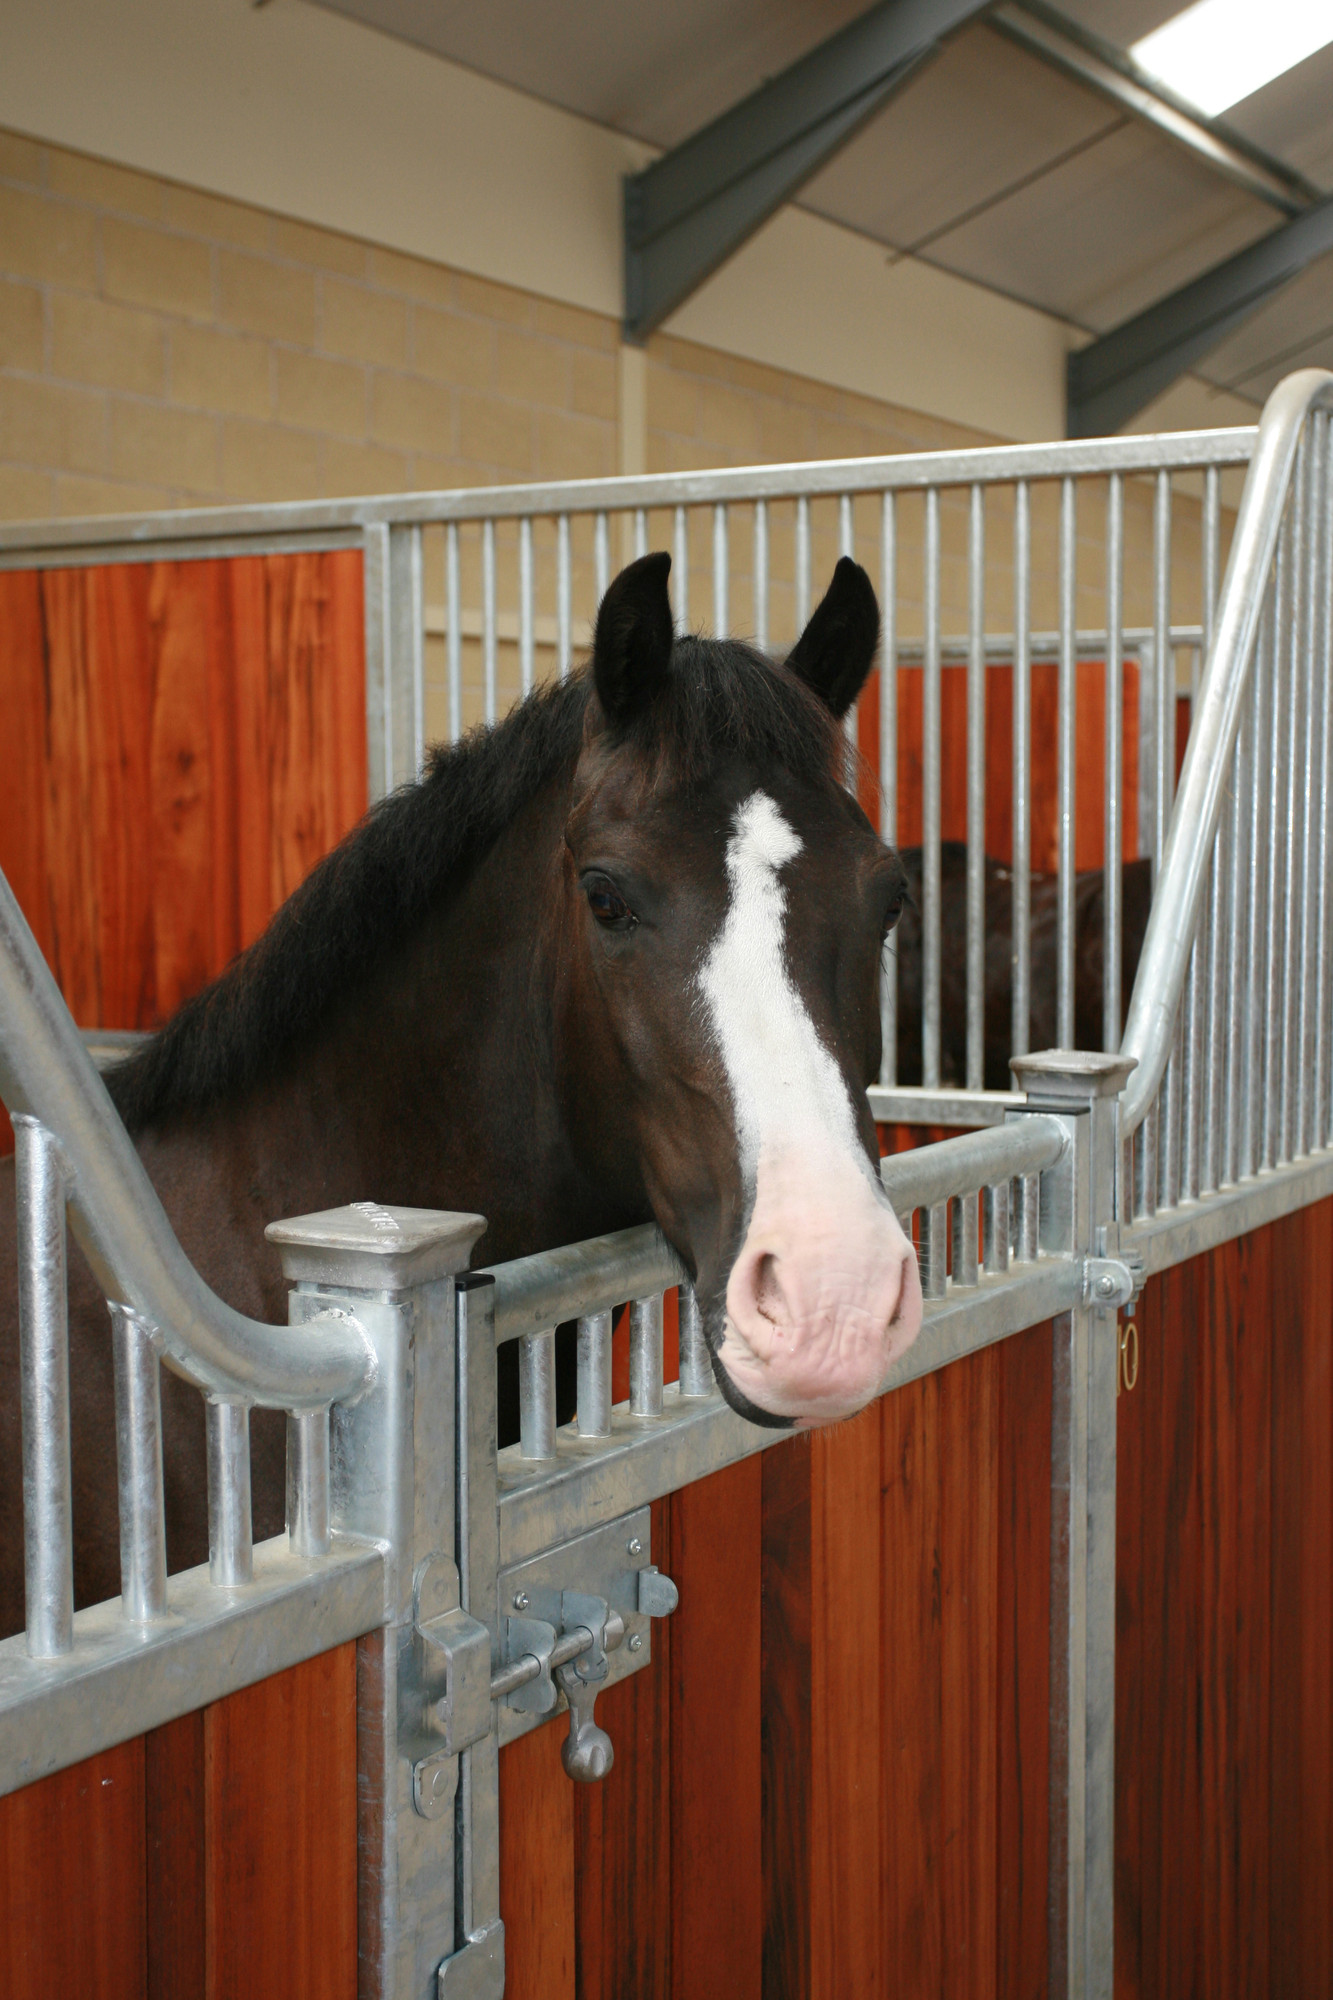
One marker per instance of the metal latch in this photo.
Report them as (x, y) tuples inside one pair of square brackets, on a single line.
[(1112, 1281), (574, 1619)]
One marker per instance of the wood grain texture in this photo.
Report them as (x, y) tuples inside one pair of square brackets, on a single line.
[(790, 1829), (622, 1830), (175, 1860), (280, 1834), (537, 1866), (716, 1751), (72, 1902)]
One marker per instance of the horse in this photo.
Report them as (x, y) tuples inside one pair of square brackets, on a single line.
[(1089, 959), (615, 959)]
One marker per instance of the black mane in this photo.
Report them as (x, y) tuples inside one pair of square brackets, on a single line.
[(362, 900)]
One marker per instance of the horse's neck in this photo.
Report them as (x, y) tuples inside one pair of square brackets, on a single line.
[(432, 1087)]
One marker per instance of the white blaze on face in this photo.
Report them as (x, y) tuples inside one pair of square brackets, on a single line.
[(824, 1293)]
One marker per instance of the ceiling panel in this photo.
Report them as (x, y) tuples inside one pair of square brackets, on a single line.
[(981, 119), (1280, 336)]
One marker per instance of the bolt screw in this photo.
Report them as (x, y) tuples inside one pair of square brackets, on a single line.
[(1106, 1284), (520, 1600), (635, 1642), (636, 1547)]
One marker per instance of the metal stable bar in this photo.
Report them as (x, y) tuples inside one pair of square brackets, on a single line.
[(1312, 861), (563, 588), (1113, 844), (645, 1356), (525, 609), (1218, 909), (681, 580), (601, 547), (1279, 696), (761, 575), (1066, 752), (536, 1393), (1297, 809), (230, 1545), (48, 1546), (594, 1375), (696, 1367), (488, 620), (454, 614), (1021, 944), (1251, 1153), (640, 532), (309, 1510), (995, 1228), (888, 768), (143, 1532), (933, 1248), (976, 791), (930, 801), (721, 575), (1323, 1126), (802, 563)]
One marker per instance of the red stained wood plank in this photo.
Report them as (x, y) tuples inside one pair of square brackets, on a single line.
[(848, 1575), (175, 1860), (1023, 1546), (789, 1781), (72, 1905), (1315, 1250), (537, 1866), (622, 1831), (1131, 1446), (280, 1833), (716, 1759)]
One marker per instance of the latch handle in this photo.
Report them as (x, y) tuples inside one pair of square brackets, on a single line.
[(587, 1753)]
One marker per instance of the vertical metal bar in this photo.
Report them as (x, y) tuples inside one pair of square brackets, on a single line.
[(525, 618), (601, 553), (230, 1550), (640, 532), (930, 801), (1164, 705), (594, 1375), (1113, 834), (1029, 1218), (965, 1259), (1311, 861), (308, 1490), (682, 567), (721, 574), (477, 1842), (536, 1394), (488, 617), (888, 769), (1256, 869), (143, 1539), (976, 790), (1218, 909), (454, 637), (377, 618), (802, 563), (933, 1252), (995, 1228), (48, 1544), (395, 656), (1021, 946), (1235, 972), (1277, 885), (409, 651), (1323, 1130), (645, 1356), (563, 590), (1294, 805), (761, 575), (696, 1367), (1065, 768)]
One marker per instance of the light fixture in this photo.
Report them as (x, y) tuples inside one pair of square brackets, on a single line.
[(1219, 51)]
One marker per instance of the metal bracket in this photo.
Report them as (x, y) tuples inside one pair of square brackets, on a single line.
[(1112, 1281), (456, 1659), (477, 1972)]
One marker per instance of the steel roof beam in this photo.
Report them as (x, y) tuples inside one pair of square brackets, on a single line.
[(689, 211), (1066, 46), (1110, 380)]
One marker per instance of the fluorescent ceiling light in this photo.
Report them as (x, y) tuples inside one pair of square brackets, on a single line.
[(1219, 51)]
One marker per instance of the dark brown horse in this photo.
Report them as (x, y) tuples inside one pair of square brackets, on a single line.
[(615, 959)]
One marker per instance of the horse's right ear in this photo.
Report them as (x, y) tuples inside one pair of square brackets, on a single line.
[(631, 648)]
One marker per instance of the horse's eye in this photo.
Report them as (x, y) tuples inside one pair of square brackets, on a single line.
[(608, 906), (892, 914)]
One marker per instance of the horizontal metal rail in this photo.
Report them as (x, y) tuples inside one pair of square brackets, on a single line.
[(1193, 825), (47, 1073), (339, 523)]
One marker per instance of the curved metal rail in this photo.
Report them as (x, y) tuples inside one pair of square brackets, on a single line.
[(47, 1074), (1176, 903)]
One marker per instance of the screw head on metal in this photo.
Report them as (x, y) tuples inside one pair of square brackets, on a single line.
[(635, 1642), (636, 1547), (520, 1600), (1106, 1284)]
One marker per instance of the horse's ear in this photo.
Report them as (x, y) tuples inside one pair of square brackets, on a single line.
[(837, 648), (631, 648)]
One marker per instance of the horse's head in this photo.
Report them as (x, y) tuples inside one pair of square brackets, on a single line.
[(726, 907)]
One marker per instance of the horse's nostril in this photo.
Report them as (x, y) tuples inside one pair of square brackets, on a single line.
[(769, 1297)]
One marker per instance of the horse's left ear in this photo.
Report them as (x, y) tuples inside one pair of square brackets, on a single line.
[(837, 648), (631, 648)]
